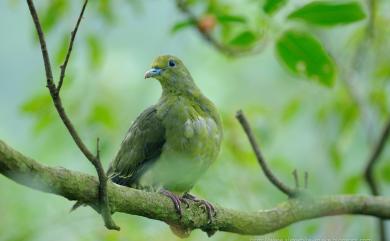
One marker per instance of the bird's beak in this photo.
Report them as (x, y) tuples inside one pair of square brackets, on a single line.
[(152, 72)]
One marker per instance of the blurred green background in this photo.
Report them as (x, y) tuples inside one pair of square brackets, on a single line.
[(323, 119)]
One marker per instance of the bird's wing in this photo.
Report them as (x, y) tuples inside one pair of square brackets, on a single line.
[(141, 147)]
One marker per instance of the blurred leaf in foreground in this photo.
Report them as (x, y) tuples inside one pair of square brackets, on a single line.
[(329, 13), (102, 114), (40, 107), (385, 171), (53, 14), (62, 49), (182, 25), (230, 19), (95, 50), (352, 184), (271, 6), (304, 55), (244, 39)]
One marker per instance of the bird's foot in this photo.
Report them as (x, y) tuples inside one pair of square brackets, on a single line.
[(175, 199), (208, 207)]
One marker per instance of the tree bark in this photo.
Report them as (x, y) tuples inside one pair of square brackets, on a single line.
[(82, 187)]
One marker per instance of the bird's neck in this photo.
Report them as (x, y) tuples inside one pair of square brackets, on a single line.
[(183, 87)]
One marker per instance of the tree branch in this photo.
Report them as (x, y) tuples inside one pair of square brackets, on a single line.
[(206, 35), (369, 171), (82, 187), (54, 92), (72, 38), (377, 151), (262, 162)]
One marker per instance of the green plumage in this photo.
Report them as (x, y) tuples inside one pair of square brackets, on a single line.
[(171, 144)]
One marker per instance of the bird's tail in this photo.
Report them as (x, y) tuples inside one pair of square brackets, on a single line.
[(76, 205), (180, 231)]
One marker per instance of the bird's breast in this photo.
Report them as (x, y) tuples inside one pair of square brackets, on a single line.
[(193, 135)]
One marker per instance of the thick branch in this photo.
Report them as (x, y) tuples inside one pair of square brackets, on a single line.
[(77, 186), (262, 162), (54, 92)]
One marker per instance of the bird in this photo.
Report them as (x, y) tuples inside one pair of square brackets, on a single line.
[(172, 143)]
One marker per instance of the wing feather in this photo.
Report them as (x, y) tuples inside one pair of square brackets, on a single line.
[(141, 147)]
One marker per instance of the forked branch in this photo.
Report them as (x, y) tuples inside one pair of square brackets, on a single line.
[(70, 47), (54, 92)]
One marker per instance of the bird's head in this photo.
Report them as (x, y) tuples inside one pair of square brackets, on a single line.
[(171, 72)]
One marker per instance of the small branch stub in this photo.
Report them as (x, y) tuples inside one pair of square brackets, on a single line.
[(296, 179), (306, 184)]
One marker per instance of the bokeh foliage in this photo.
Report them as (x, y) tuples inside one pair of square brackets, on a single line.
[(315, 90)]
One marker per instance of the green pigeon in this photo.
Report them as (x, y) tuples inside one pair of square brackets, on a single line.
[(172, 143)]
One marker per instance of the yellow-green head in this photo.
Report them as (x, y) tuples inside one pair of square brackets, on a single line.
[(171, 73)]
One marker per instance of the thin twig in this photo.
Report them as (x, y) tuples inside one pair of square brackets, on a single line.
[(103, 200), (370, 35), (374, 157), (296, 178), (98, 148), (263, 164), (306, 184), (372, 9), (72, 38), (369, 172), (224, 49)]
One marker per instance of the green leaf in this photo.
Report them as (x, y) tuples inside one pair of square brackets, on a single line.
[(352, 184), (271, 6), (245, 38), (53, 14), (335, 157), (95, 50), (329, 13), (379, 98), (37, 104), (385, 172), (39, 107), (105, 9), (304, 56), (62, 49), (291, 109), (42, 122), (383, 70), (230, 19), (102, 114), (182, 25)]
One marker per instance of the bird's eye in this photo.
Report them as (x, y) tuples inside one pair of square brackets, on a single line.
[(171, 63)]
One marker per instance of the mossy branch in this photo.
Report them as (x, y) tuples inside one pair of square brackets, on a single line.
[(82, 187)]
